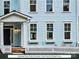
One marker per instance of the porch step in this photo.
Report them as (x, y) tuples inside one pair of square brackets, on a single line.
[(18, 50), (18, 53)]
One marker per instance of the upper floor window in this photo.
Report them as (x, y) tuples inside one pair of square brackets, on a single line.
[(49, 5), (33, 31), (49, 31), (6, 7), (67, 31), (66, 5), (33, 5)]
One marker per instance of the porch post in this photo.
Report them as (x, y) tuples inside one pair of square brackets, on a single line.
[(1, 34), (23, 34)]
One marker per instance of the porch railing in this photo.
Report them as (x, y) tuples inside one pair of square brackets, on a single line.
[(63, 50)]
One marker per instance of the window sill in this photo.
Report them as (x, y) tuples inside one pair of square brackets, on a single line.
[(66, 12), (33, 42), (67, 41), (33, 12), (50, 41)]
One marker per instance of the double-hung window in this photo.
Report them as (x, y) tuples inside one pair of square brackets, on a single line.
[(6, 7), (49, 31), (33, 31), (32, 5), (66, 4), (49, 5), (67, 31)]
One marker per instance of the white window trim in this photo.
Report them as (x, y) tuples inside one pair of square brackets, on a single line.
[(33, 41), (36, 7), (69, 7), (46, 7), (52, 40), (67, 40)]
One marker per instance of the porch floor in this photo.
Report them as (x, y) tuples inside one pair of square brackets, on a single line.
[(18, 50)]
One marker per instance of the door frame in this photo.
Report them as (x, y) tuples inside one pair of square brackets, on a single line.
[(11, 39)]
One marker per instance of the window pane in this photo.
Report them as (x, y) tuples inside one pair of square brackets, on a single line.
[(6, 4), (66, 5), (32, 1), (6, 11), (6, 7), (66, 8), (49, 35), (67, 35), (49, 7), (67, 27), (33, 36), (49, 27), (33, 27), (33, 8)]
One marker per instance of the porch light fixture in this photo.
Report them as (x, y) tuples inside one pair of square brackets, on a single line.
[(17, 30)]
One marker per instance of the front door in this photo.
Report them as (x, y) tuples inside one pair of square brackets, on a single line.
[(7, 37)]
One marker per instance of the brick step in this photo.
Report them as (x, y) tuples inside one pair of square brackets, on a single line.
[(18, 50)]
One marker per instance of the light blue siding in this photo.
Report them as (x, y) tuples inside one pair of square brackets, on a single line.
[(58, 17), (15, 5), (1, 7)]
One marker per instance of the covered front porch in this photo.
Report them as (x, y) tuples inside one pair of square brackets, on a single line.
[(12, 36), (13, 32)]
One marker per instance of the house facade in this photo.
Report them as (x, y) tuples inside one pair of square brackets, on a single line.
[(39, 26)]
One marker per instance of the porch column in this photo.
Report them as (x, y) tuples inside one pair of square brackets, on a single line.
[(1, 35), (77, 32), (23, 34)]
